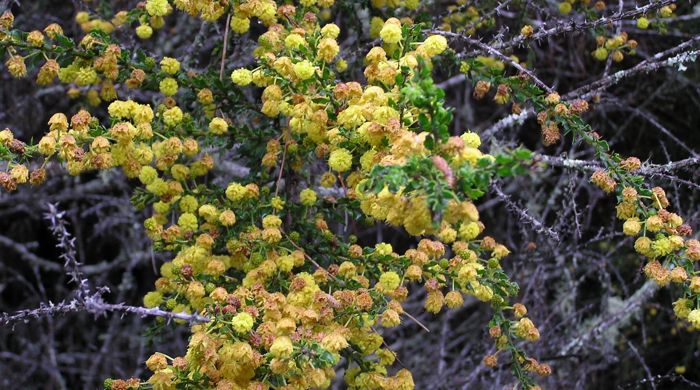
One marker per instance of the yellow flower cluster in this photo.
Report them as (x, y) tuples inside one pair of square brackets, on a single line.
[(281, 317), (661, 237), (464, 19)]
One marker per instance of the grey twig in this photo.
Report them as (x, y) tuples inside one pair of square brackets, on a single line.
[(66, 243), (523, 214), (93, 304)]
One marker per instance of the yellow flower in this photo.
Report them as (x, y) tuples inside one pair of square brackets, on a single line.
[(168, 86), (188, 204), (334, 342), (147, 174), (643, 246), (241, 77), (600, 54), (152, 299), (412, 4), (282, 347), (469, 231), (694, 318), (47, 145), (6, 137), (642, 23), (157, 361), (242, 322), (120, 109), (351, 117), (157, 7), (330, 31), (525, 329), (527, 30), (389, 281), (681, 307), (304, 70), (236, 192), (654, 223), (271, 221), (434, 302), (390, 318), (391, 31), (454, 299), (162, 380), (285, 263), (218, 126), (85, 76), (631, 227), (170, 65), (144, 31), (294, 41), (340, 160), (665, 11), (142, 114), (375, 26), (187, 222), (307, 197), (173, 116), (383, 249), (565, 7), (35, 38), (328, 49), (240, 25), (435, 45), (662, 247), (82, 17), (20, 173), (471, 139), (48, 72)]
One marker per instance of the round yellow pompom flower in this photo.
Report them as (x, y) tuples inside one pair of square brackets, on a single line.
[(631, 227), (565, 7), (282, 347), (304, 69), (240, 25), (152, 299), (241, 77), (218, 126), (144, 31), (330, 31), (294, 41), (471, 139), (173, 116), (236, 192), (600, 54), (147, 174), (242, 322), (340, 160), (307, 197), (434, 45), (168, 86), (694, 318), (187, 222), (157, 7), (391, 31), (643, 23), (227, 218), (170, 65), (389, 281)]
